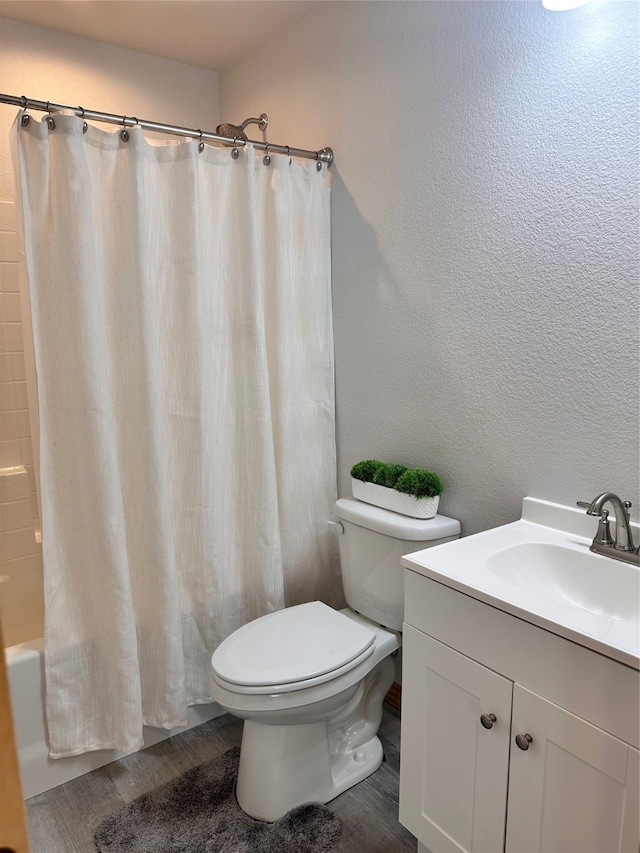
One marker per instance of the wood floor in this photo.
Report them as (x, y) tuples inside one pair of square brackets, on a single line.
[(64, 819)]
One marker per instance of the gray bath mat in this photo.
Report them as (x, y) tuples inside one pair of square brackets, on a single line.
[(198, 813)]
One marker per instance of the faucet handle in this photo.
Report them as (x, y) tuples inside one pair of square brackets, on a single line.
[(603, 536)]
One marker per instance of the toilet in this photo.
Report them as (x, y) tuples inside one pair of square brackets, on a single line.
[(309, 681)]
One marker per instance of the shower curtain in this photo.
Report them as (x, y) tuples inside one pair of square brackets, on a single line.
[(180, 305)]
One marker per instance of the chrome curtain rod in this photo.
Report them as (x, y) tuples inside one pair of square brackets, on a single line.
[(325, 155)]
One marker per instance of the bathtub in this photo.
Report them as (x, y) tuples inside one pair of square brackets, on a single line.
[(25, 668)]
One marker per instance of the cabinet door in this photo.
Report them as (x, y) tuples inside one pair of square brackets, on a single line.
[(453, 770), (575, 788)]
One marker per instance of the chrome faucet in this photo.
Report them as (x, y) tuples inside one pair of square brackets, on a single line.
[(622, 548)]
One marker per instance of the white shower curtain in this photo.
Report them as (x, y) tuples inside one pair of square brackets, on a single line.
[(180, 306)]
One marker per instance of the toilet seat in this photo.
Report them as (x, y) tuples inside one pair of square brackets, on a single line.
[(291, 649)]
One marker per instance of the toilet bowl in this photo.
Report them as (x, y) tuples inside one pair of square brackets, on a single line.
[(309, 681), (308, 740)]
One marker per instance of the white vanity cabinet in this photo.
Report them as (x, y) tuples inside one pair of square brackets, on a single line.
[(575, 789), (474, 679), (453, 771)]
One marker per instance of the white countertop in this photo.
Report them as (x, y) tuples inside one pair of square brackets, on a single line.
[(462, 565)]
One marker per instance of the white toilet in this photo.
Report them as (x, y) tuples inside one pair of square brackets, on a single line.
[(309, 681)]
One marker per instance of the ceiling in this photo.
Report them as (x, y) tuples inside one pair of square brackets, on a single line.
[(206, 33)]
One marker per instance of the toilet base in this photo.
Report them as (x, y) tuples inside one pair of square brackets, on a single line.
[(351, 768), (283, 766), (272, 781)]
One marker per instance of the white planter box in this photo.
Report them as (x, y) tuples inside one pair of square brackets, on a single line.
[(386, 498)]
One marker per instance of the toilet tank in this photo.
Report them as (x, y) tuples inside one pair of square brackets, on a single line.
[(371, 546)]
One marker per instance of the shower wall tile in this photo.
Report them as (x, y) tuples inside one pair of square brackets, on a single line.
[(9, 426), (7, 217), (6, 368), (31, 475), (19, 372), (15, 515), (24, 566), (10, 456), (24, 424), (7, 397), (26, 451), (11, 337), (20, 552), (8, 246), (10, 311), (19, 543), (35, 511), (23, 583), (12, 367), (20, 395), (9, 282), (14, 484)]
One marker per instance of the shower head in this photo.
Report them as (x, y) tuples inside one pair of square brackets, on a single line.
[(232, 131), (236, 131)]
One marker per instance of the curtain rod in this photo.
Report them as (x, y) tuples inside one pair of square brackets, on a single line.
[(325, 155)]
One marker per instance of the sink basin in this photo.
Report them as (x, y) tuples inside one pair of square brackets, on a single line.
[(573, 576), (540, 569)]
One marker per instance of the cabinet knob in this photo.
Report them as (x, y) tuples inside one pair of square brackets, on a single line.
[(488, 720), (523, 741)]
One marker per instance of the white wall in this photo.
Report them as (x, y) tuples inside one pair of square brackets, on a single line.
[(47, 65), (52, 66), (485, 236)]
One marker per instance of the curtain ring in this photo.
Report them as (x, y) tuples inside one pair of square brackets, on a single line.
[(124, 135), (235, 153), (24, 121), (85, 126), (81, 111), (267, 158), (201, 143)]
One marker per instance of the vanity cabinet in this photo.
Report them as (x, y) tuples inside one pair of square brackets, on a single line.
[(453, 770), (576, 788), (474, 680)]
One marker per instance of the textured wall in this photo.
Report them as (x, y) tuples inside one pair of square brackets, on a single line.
[(485, 236)]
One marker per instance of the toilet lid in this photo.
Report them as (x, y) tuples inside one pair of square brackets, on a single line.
[(290, 645)]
